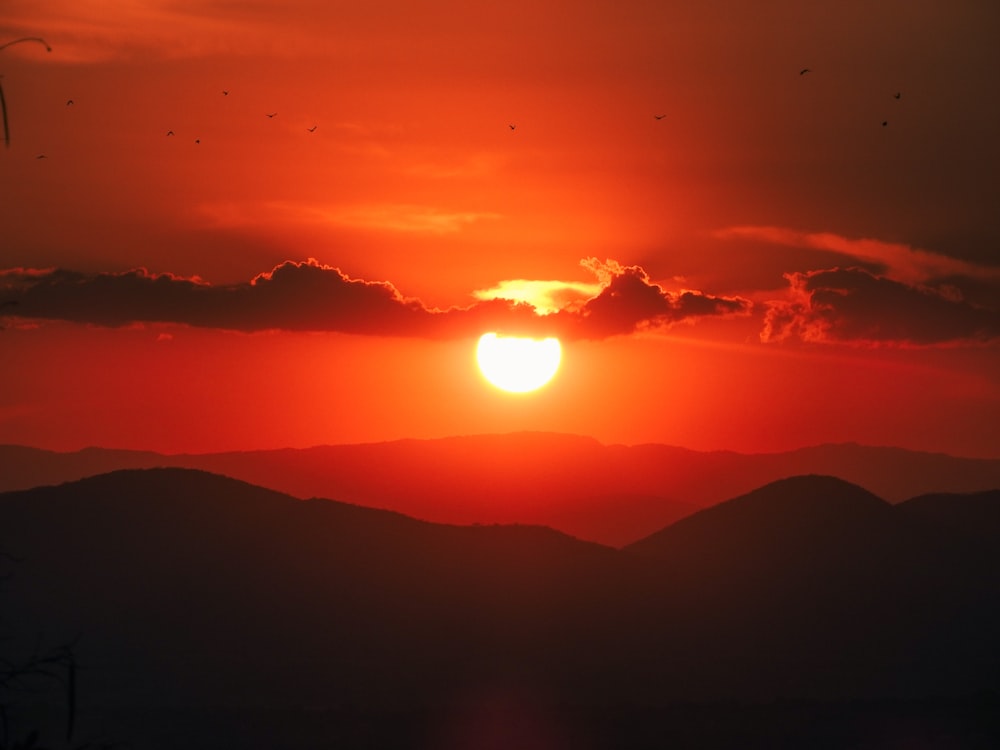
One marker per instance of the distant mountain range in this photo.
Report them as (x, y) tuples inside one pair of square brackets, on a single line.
[(190, 592), (612, 494)]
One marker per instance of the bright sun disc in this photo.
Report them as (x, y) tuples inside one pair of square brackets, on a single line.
[(518, 364)]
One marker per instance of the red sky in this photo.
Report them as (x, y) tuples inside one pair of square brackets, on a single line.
[(766, 266)]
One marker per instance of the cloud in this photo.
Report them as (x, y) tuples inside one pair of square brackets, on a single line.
[(546, 297), (894, 260), (630, 302), (853, 305), (405, 218), (386, 217), (477, 165), (622, 301), (903, 296), (97, 30), (308, 296), (292, 296), (88, 31)]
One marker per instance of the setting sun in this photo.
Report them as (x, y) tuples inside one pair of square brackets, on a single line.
[(518, 364), (522, 358)]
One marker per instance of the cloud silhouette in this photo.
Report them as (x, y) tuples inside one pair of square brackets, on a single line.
[(309, 296), (630, 302), (853, 305)]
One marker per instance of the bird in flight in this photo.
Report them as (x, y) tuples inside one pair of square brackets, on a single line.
[(885, 123), (68, 102), (659, 117), (197, 140), (897, 95), (312, 129), (41, 156), (512, 126), (225, 93), (170, 132), (804, 71), (271, 115)]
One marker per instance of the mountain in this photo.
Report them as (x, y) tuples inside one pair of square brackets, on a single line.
[(824, 577), (976, 514), (774, 525), (208, 612), (203, 571), (612, 494), (768, 529), (22, 467)]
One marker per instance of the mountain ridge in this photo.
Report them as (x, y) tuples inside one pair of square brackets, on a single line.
[(613, 494)]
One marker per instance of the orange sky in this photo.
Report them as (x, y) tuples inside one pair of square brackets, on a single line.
[(767, 266)]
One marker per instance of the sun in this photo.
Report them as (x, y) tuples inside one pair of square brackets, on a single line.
[(518, 364)]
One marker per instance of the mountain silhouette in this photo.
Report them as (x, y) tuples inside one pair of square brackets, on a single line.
[(612, 494), (787, 528), (831, 586), (202, 606), (976, 515), (196, 563)]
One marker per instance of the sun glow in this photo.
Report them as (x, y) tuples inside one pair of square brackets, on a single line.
[(546, 297), (517, 364)]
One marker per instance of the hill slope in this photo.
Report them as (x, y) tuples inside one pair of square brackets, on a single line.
[(187, 589), (612, 494)]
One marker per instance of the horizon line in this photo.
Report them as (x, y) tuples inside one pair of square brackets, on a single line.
[(507, 434)]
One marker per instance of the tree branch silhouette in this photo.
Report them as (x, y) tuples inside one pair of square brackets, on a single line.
[(36, 672), (3, 101)]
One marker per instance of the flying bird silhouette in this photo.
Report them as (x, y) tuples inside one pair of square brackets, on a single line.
[(885, 123), (271, 115), (41, 156), (312, 129), (225, 93), (659, 117), (197, 140), (804, 71), (512, 126), (170, 132), (897, 95), (68, 102)]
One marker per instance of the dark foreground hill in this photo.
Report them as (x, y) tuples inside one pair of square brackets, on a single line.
[(612, 494), (207, 612)]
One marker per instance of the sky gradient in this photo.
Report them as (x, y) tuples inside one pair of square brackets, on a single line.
[(259, 224)]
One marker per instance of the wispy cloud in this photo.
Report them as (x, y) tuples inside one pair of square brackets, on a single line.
[(97, 30), (379, 217), (476, 165), (406, 218), (895, 260), (308, 296), (101, 30)]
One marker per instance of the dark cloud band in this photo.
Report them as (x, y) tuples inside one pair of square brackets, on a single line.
[(308, 296)]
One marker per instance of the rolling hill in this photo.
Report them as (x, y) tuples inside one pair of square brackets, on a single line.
[(193, 595)]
